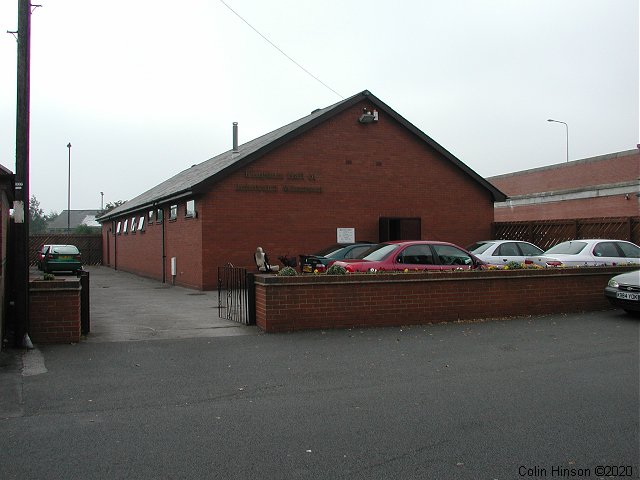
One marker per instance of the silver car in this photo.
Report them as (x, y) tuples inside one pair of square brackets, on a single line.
[(589, 252), (623, 291), (501, 252)]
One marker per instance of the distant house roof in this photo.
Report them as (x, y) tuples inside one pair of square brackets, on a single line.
[(6, 182), (76, 218), (5, 171), (199, 177)]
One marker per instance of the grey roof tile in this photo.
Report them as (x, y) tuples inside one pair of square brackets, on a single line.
[(192, 179)]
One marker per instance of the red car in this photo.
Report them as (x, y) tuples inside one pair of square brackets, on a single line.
[(413, 255)]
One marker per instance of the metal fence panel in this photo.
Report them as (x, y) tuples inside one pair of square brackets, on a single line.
[(236, 295)]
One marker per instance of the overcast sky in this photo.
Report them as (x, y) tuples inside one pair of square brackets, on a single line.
[(143, 90)]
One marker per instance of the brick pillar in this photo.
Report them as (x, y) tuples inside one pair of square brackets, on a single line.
[(54, 311)]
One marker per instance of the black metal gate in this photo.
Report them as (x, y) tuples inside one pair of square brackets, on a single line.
[(236, 295), (85, 319)]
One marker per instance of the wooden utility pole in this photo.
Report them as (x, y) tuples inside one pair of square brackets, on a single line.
[(21, 196)]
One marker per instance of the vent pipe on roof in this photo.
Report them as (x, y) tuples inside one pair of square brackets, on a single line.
[(235, 137)]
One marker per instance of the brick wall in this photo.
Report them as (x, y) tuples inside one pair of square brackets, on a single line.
[(339, 174), (365, 172), (5, 255), (605, 169), (605, 186), (611, 206), (54, 311), (142, 252), (316, 302)]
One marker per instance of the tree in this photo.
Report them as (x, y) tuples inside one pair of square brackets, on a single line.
[(37, 218), (108, 207)]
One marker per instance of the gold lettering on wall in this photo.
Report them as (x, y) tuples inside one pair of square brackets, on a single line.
[(286, 188)]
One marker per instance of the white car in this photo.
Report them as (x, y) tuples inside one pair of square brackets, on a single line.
[(588, 252), (501, 252)]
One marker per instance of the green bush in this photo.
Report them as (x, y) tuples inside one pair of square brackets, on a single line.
[(336, 270), (514, 265), (287, 272)]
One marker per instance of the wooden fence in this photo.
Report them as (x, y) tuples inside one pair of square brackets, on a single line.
[(90, 245), (547, 233)]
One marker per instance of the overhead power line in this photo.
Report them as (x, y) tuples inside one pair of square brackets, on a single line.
[(280, 50)]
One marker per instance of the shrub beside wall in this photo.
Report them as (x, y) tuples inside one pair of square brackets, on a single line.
[(364, 300)]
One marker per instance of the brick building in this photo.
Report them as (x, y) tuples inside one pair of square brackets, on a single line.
[(6, 199), (356, 168), (603, 186)]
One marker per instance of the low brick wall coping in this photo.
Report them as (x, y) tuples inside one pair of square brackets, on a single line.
[(53, 285), (395, 299), (404, 277)]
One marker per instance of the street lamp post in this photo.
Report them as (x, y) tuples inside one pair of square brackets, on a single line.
[(101, 200), (567, 130), (69, 192)]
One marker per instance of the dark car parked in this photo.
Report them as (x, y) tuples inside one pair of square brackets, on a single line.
[(623, 291), (324, 258), (60, 258)]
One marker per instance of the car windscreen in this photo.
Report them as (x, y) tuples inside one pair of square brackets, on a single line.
[(337, 253), (382, 252), (358, 251), (65, 250), (325, 252), (480, 247), (567, 248)]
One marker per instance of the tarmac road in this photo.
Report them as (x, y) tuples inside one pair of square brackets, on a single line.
[(523, 398)]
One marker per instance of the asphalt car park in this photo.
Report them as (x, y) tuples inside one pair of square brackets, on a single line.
[(464, 400), (498, 400), (125, 307)]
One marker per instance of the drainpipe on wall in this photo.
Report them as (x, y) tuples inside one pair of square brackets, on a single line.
[(115, 248), (164, 255)]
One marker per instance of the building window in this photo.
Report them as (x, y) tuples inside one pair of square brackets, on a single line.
[(141, 224), (133, 225), (150, 216), (124, 229), (190, 211), (174, 212), (159, 215), (118, 228)]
